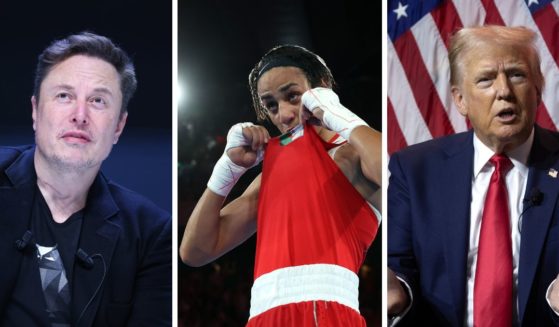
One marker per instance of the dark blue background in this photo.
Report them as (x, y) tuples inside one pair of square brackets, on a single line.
[(142, 160)]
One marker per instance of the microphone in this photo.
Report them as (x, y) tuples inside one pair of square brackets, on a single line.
[(84, 259), (22, 243), (534, 199)]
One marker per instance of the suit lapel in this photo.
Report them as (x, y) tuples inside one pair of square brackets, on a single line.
[(15, 215), (536, 220), (98, 238), (456, 181)]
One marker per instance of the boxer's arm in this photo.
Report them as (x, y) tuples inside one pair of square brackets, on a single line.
[(212, 231), (368, 144), (324, 104)]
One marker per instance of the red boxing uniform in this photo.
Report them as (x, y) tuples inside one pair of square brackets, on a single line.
[(313, 232)]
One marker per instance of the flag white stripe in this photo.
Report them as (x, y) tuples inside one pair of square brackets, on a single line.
[(555, 4), (471, 12), (435, 56), (407, 113)]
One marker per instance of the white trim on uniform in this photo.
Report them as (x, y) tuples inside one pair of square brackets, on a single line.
[(317, 282)]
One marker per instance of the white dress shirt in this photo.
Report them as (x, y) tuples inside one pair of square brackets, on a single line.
[(516, 180)]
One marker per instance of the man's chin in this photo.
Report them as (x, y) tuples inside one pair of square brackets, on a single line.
[(70, 164), (511, 138), (513, 132)]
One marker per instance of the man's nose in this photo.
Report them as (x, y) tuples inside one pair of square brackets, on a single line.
[(80, 114), (502, 85)]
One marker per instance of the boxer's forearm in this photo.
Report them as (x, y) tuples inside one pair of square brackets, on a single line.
[(368, 143), (201, 234), (325, 105), (212, 231)]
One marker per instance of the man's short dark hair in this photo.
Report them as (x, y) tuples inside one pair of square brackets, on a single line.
[(92, 45), (314, 68)]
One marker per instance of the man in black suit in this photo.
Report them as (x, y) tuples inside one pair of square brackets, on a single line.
[(87, 252)]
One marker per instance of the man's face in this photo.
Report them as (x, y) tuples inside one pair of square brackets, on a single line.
[(280, 90), (498, 94), (77, 117)]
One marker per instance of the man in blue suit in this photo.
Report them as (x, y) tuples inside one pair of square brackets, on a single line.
[(76, 248), (468, 243)]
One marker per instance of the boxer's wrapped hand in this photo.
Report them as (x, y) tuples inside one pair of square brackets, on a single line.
[(244, 150), (324, 104)]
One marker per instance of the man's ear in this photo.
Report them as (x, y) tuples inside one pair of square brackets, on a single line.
[(34, 110), (120, 126), (459, 101)]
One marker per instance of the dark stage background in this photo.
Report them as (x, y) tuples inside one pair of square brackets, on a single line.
[(219, 43), (142, 160)]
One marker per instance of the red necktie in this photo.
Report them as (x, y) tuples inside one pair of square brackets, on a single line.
[(493, 281)]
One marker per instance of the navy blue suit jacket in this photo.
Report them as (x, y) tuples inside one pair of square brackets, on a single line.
[(131, 233), (428, 221)]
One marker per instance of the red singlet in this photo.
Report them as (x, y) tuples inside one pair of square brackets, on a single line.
[(313, 232)]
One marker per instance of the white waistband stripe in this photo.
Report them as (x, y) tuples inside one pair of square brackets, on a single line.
[(318, 282)]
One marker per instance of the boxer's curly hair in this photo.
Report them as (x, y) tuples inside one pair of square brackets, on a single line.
[(314, 68)]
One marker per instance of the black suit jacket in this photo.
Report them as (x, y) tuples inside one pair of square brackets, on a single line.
[(132, 235), (429, 198)]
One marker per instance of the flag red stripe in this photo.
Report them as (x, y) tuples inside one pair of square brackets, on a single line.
[(548, 24), (543, 118), (424, 91), (447, 20), (396, 139), (492, 16)]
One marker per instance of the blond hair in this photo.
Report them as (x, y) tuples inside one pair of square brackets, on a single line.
[(471, 38)]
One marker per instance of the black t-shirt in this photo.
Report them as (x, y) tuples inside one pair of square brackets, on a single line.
[(42, 295)]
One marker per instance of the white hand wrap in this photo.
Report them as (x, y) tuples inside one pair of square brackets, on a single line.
[(226, 173), (336, 117)]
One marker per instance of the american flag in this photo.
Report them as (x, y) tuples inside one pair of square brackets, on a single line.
[(419, 101)]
